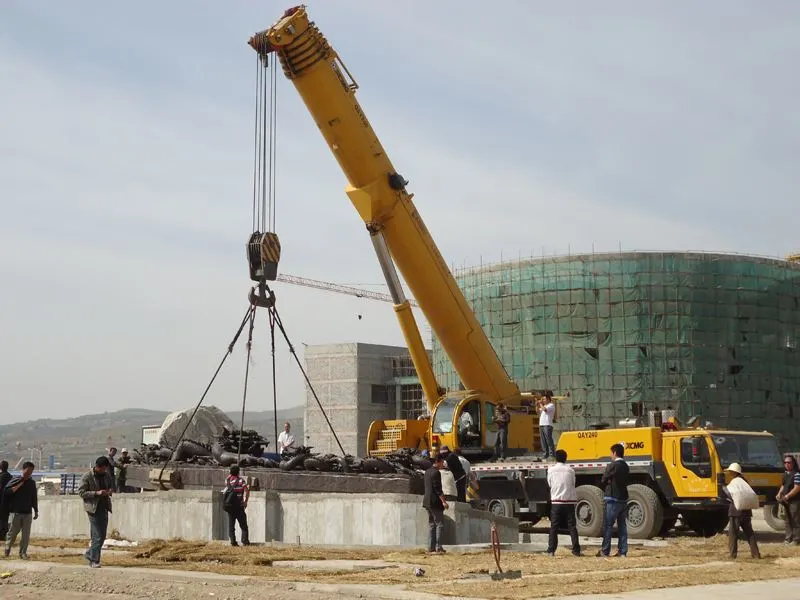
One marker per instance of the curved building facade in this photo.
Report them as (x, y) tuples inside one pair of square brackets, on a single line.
[(713, 335)]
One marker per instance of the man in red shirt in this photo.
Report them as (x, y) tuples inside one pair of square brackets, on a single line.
[(236, 509)]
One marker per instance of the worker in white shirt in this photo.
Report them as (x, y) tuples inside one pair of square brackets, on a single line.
[(449, 488), (546, 410), (285, 439), (465, 464), (563, 498)]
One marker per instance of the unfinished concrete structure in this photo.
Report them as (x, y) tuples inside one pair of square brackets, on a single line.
[(357, 384), (322, 519)]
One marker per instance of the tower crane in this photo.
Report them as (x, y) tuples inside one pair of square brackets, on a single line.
[(335, 287)]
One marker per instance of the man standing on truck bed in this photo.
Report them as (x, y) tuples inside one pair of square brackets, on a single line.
[(615, 496), (561, 479), (546, 410), (502, 418), (789, 496)]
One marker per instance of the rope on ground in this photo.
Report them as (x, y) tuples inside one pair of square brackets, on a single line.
[(228, 352), (496, 547)]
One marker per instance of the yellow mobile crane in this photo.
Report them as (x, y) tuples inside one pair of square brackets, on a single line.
[(399, 236), (674, 470)]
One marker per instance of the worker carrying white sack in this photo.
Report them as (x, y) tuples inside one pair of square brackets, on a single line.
[(742, 500)]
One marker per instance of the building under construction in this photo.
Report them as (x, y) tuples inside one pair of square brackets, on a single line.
[(712, 335), (356, 384)]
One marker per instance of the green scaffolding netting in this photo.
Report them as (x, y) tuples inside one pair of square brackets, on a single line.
[(707, 334)]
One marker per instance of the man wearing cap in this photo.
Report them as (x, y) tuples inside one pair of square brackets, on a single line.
[(434, 502), (455, 467), (122, 471), (741, 498), (96, 489)]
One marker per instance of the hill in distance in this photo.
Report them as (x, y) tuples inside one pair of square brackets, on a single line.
[(77, 441)]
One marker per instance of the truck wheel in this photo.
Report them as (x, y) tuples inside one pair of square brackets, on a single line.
[(589, 510), (645, 512), (501, 508), (706, 523), (772, 518)]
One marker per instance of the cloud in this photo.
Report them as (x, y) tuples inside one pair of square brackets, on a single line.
[(127, 164)]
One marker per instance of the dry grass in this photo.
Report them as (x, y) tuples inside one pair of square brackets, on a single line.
[(61, 543), (689, 561)]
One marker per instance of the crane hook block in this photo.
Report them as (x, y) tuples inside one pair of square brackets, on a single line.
[(263, 255)]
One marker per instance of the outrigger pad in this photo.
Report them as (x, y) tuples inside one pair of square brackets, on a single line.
[(506, 575), (263, 255)]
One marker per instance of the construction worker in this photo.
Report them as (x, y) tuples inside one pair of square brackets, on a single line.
[(502, 418), (563, 498), (742, 499), (435, 503), (615, 496), (547, 410), (789, 497), (455, 467)]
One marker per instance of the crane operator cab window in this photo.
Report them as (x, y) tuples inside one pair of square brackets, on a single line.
[(695, 455), (469, 426)]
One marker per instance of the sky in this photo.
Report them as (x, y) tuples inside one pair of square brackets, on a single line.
[(126, 134)]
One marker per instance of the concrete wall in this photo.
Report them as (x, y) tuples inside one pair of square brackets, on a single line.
[(164, 515), (319, 519)]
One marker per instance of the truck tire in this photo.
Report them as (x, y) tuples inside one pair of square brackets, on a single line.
[(589, 510), (772, 518), (502, 508), (706, 523), (645, 512)]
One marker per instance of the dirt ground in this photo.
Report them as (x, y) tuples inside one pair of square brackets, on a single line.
[(684, 561), (131, 586)]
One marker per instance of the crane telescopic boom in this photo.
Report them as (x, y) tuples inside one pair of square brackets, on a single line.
[(379, 194)]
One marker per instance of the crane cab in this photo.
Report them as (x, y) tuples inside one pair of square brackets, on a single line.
[(466, 420)]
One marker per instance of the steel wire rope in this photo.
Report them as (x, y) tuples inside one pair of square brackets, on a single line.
[(246, 378), (264, 143), (282, 329), (256, 145), (228, 352), (274, 381)]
